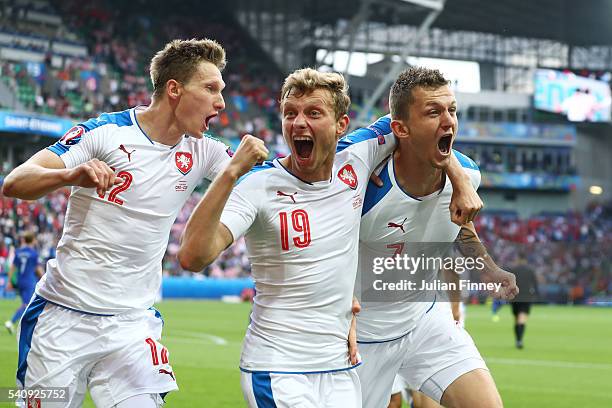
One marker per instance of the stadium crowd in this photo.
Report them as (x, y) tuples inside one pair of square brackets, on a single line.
[(569, 252), (566, 249)]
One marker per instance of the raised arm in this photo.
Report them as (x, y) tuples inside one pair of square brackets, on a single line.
[(45, 172), (205, 236), (465, 202), (471, 246)]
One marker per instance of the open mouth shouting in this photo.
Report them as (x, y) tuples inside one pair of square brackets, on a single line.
[(304, 145), (207, 121), (445, 143)]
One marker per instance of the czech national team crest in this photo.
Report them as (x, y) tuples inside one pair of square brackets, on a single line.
[(184, 162), (347, 176), (73, 136)]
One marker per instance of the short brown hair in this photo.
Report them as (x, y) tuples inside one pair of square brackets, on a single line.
[(306, 80), (28, 237), (400, 96), (179, 59)]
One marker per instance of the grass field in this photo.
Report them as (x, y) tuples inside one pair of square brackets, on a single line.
[(567, 361)]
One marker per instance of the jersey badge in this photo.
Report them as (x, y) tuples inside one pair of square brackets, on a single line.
[(184, 162), (347, 176), (73, 136)]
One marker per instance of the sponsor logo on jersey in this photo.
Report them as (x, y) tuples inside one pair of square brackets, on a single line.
[(281, 194), (124, 150), (73, 136), (170, 373), (381, 140), (181, 186), (184, 161), (396, 225), (348, 176)]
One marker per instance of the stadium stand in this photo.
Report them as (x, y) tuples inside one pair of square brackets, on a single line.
[(68, 59)]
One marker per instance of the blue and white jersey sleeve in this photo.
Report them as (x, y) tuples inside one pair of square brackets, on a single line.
[(372, 143), (470, 167), (79, 145)]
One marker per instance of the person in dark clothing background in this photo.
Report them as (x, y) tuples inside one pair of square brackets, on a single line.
[(521, 305)]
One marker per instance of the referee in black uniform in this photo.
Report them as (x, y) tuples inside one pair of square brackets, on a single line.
[(521, 305)]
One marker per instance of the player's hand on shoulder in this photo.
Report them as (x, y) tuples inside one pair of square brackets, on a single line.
[(508, 290), (93, 174), (464, 206), (251, 151)]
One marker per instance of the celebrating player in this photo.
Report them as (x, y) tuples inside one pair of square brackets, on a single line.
[(300, 216), (91, 323), (417, 335)]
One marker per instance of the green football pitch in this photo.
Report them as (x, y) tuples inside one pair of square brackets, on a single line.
[(566, 362)]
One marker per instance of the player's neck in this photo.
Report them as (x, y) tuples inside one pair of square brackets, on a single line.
[(414, 175), (158, 124), (321, 173)]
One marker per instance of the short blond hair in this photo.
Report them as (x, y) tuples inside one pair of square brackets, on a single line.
[(179, 59), (306, 80)]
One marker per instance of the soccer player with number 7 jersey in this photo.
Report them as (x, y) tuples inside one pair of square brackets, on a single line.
[(300, 216), (91, 324)]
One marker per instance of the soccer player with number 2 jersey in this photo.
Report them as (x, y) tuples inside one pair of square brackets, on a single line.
[(91, 324)]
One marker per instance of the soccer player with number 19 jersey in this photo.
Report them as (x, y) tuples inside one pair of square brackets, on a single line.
[(300, 216), (91, 323)]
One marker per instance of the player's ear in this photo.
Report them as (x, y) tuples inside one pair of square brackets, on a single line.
[(342, 125), (399, 128), (173, 89)]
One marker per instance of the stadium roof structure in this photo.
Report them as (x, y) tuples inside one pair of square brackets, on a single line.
[(568, 21), (518, 34), (571, 22)]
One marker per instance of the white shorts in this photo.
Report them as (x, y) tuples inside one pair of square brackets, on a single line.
[(429, 358), (339, 389), (116, 357)]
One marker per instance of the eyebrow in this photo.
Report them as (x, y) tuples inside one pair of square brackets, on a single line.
[(216, 82), (436, 103)]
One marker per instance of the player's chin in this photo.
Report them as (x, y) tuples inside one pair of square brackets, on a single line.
[(198, 134), (440, 163)]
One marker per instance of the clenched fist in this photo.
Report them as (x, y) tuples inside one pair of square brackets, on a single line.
[(250, 151), (93, 174)]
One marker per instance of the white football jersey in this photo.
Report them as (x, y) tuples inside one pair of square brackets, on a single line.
[(302, 239), (109, 257), (391, 220)]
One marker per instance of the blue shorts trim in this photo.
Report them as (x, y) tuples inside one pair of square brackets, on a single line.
[(28, 323), (300, 372), (74, 310), (384, 341), (262, 390)]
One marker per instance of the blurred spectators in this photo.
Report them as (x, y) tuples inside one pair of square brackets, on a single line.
[(570, 252)]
